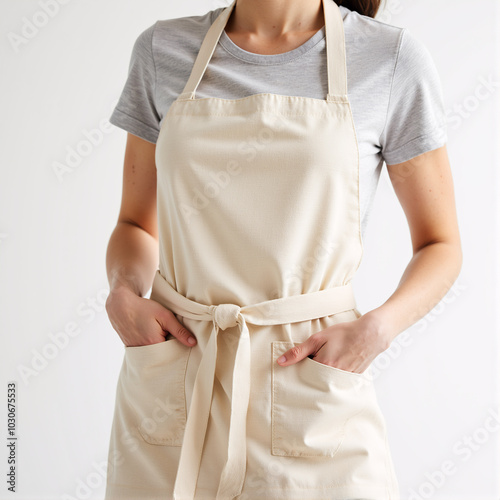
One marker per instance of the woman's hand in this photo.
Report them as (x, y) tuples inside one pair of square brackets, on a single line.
[(349, 346), (140, 321)]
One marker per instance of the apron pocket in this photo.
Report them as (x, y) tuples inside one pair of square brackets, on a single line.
[(153, 383), (312, 405)]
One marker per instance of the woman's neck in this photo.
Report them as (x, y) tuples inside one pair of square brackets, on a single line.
[(274, 26)]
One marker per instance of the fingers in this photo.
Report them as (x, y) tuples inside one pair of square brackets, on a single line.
[(171, 324), (298, 352)]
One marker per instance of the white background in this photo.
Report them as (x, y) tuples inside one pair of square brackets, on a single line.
[(436, 391)]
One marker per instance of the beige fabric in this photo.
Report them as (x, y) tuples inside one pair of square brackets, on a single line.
[(258, 212)]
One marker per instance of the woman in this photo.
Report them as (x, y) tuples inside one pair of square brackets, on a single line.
[(250, 169)]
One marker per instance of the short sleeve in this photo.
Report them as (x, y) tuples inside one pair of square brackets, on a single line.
[(416, 119), (136, 111)]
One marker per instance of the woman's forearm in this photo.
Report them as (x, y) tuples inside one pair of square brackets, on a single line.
[(131, 258), (429, 275)]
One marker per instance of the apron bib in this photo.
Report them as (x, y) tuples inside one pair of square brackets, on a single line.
[(259, 226)]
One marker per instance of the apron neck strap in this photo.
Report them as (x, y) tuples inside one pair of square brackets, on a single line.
[(335, 51)]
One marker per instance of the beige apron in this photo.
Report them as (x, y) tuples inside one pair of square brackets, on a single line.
[(258, 212)]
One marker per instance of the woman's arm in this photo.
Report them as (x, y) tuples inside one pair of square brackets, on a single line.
[(132, 255), (424, 187)]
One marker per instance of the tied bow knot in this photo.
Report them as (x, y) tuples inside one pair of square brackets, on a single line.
[(226, 315)]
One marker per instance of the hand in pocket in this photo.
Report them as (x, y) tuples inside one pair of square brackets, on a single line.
[(141, 321), (350, 346)]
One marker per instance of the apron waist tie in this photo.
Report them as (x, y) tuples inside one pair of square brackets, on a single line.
[(283, 310)]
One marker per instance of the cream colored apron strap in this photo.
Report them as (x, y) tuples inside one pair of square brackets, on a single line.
[(272, 312), (335, 51), (196, 423), (205, 53), (233, 473), (301, 307)]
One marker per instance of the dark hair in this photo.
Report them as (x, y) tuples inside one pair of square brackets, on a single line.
[(365, 7)]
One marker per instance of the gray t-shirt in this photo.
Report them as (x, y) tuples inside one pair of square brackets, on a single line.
[(393, 85)]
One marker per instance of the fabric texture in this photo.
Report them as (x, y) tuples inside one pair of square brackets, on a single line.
[(394, 86)]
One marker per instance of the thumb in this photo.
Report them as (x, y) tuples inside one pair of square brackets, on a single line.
[(296, 353), (169, 322)]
